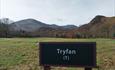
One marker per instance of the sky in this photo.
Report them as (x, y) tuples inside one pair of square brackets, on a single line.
[(60, 12)]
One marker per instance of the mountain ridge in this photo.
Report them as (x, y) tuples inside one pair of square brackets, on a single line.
[(99, 26), (32, 25)]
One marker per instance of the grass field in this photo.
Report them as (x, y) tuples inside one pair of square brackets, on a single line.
[(22, 53)]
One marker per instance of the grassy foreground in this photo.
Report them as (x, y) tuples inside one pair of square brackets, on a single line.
[(23, 53)]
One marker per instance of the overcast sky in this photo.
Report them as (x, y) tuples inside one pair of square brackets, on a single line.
[(61, 12)]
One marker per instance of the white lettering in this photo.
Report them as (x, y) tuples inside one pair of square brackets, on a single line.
[(66, 51)]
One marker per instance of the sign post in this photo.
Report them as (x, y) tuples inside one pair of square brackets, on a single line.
[(47, 68), (69, 54), (88, 68)]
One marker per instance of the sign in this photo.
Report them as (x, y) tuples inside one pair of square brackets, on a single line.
[(81, 54)]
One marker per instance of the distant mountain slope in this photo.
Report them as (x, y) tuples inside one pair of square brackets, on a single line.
[(69, 26), (34, 28), (100, 26), (28, 25), (31, 25)]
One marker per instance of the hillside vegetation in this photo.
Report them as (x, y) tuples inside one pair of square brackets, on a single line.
[(100, 26)]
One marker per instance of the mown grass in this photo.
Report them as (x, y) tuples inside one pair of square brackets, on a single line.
[(23, 53)]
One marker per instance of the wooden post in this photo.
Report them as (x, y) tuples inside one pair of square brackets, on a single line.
[(47, 68), (88, 68)]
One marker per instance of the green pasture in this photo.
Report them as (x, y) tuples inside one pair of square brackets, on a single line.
[(23, 53)]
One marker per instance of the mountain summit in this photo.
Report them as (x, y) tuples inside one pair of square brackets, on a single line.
[(28, 25), (100, 26), (98, 19)]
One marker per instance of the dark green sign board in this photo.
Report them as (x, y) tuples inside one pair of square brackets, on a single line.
[(80, 54)]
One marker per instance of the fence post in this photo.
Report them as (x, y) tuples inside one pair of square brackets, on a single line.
[(47, 68), (88, 68)]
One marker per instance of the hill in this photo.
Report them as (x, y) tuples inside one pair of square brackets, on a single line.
[(100, 26), (31, 25), (28, 25)]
